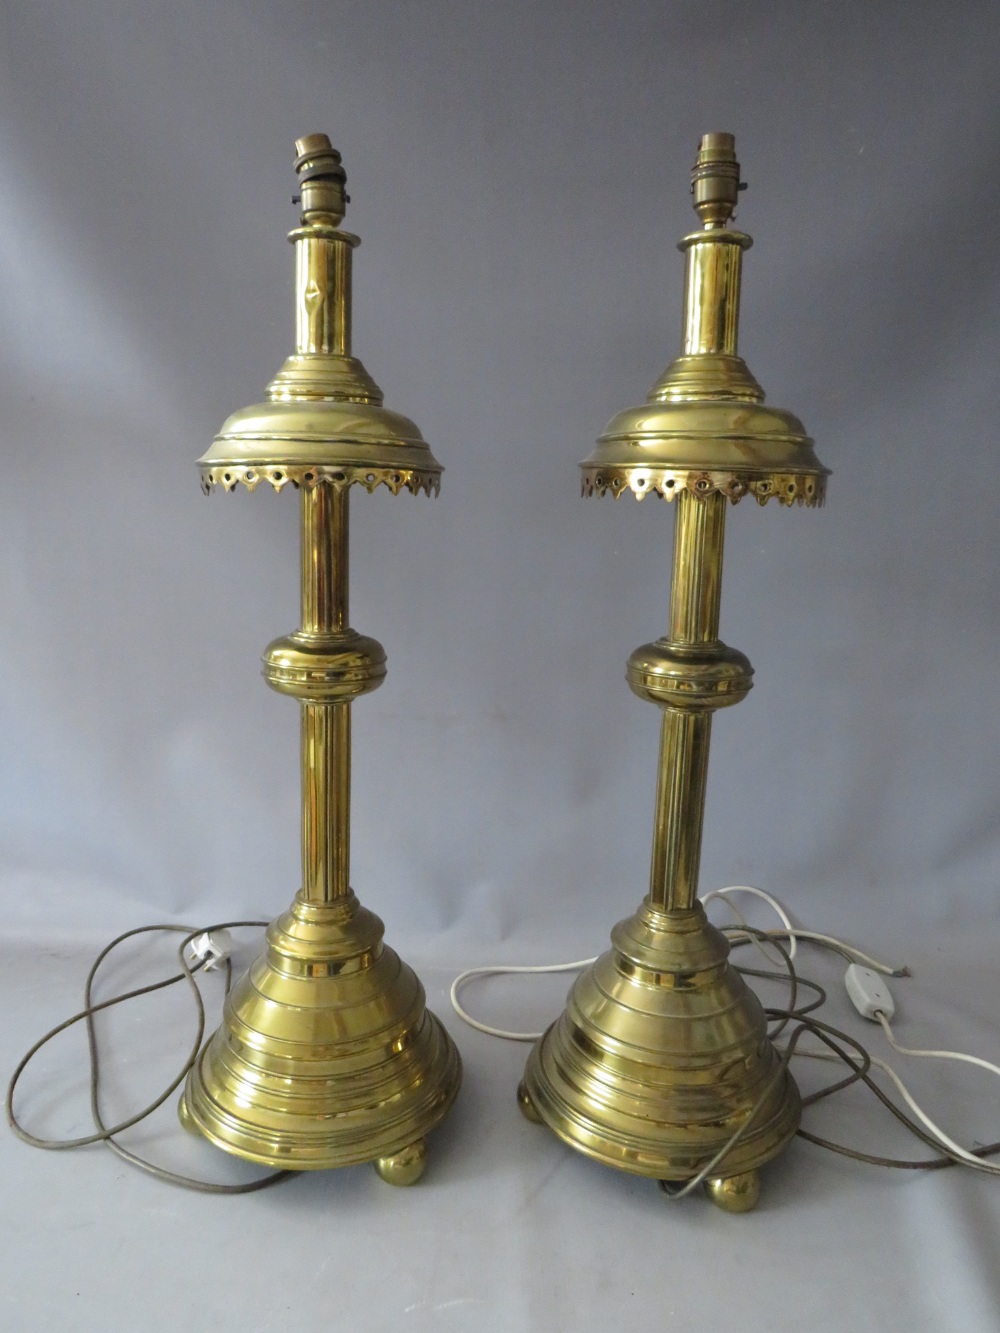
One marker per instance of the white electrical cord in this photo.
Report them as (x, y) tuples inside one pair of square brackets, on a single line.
[(870, 996), (771, 901), (793, 933), (956, 1150), (862, 1000), (967, 1157), (936, 1055), (970, 1159), (861, 990), (788, 931), (498, 970)]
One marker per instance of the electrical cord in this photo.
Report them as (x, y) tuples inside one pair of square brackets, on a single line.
[(107, 1134), (805, 1023), (499, 970), (859, 1067), (859, 1071), (840, 1044), (860, 1063), (969, 1158), (794, 934), (935, 1055), (955, 1154)]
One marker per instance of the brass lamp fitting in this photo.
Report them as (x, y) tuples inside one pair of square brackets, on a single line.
[(327, 1055), (661, 1057)]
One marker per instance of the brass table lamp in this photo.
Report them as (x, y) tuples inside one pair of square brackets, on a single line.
[(326, 1055), (662, 1054)]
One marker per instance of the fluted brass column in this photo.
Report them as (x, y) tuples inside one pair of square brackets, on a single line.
[(326, 727), (327, 1054), (661, 1057), (685, 736)]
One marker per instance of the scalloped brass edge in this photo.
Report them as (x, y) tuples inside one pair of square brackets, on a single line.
[(787, 488), (279, 475)]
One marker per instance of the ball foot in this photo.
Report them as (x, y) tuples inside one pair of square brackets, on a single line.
[(735, 1194), (528, 1108), (404, 1167), (187, 1120)]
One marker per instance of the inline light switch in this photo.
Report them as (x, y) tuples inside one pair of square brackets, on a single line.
[(869, 992)]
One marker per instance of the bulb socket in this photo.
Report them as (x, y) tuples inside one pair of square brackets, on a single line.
[(715, 179), (321, 180)]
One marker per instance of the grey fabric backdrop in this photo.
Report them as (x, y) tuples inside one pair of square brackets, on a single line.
[(518, 175), (519, 179)]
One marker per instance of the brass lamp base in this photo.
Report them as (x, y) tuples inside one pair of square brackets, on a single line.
[(661, 1063), (326, 1055), (660, 1056)]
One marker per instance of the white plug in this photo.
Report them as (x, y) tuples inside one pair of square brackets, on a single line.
[(213, 946), (869, 993)]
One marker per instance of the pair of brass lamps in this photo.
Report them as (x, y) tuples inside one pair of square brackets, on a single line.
[(327, 1055)]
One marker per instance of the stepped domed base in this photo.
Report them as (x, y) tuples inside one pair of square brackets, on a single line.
[(660, 1056), (326, 1055)]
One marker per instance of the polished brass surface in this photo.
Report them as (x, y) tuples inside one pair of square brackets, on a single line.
[(327, 1054), (704, 427), (661, 1056), (323, 420), (735, 1194)]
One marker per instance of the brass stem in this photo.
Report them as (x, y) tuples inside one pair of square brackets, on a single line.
[(326, 728), (325, 533), (712, 292), (680, 809), (714, 255), (341, 330), (696, 580), (685, 735), (322, 292), (326, 801)]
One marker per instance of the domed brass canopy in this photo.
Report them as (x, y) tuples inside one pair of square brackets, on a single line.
[(323, 420), (704, 427), (705, 446), (326, 440)]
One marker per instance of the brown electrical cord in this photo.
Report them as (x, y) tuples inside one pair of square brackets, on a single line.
[(859, 1066), (105, 1134), (859, 1073)]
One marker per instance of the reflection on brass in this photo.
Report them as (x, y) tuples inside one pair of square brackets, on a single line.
[(662, 1054), (326, 1055)]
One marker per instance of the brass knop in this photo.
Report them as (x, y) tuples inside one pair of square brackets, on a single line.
[(696, 677), (324, 668)]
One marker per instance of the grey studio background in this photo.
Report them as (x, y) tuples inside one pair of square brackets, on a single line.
[(518, 175)]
